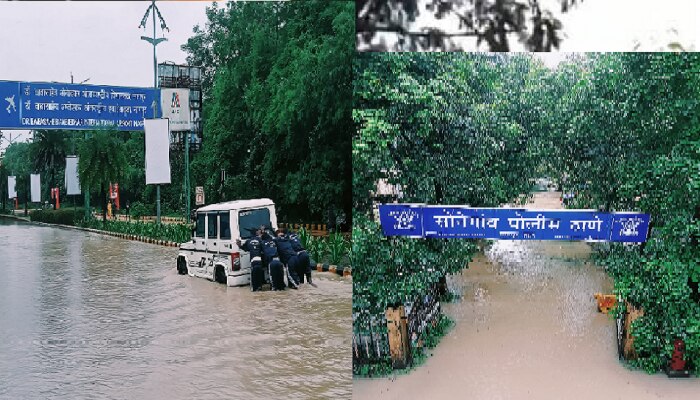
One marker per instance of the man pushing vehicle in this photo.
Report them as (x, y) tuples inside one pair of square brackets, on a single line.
[(303, 261)]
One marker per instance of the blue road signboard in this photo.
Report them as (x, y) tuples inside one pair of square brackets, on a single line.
[(41, 105), (417, 220)]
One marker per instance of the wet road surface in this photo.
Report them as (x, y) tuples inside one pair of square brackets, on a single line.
[(527, 327), (88, 316)]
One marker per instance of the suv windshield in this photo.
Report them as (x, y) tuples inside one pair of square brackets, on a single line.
[(250, 220)]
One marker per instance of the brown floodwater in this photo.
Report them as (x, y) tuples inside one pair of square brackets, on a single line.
[(527, 327), (88, 316)]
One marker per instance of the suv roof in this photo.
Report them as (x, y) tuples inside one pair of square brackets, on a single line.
[(237, 204)]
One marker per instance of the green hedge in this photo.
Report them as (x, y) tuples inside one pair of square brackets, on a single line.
[(63, 216), (178, 233)]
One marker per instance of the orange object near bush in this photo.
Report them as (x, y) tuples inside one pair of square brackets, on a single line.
[(605, 302)]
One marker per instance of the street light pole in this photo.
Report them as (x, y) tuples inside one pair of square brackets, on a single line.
[(87, 192), (155, 41), (187, 171)]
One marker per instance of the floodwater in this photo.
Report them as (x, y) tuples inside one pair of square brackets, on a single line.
[(527, 327), (88, 316)]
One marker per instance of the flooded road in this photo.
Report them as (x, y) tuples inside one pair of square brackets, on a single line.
[(89, 316), (527, 327)]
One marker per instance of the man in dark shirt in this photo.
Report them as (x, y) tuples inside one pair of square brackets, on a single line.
[(275, 266), (287, 255), (303, 260), (254, 246)]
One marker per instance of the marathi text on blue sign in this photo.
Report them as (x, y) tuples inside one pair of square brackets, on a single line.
[(513, 224), (39, 105)]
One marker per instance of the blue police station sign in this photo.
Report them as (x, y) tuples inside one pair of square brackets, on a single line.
[(40, 105), (416, 220)]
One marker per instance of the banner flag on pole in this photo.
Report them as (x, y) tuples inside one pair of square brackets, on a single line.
[(71, 176), (157, 151), (36, 187), (11, 187)]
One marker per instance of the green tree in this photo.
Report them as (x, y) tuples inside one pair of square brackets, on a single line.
[(631, 136), (442, 129), (102, 161), (49, 153), (18, 162), (277, 104)]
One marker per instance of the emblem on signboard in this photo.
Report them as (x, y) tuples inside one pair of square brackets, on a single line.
[(404, 219), (175, 103), (629, 227), (11, 103)]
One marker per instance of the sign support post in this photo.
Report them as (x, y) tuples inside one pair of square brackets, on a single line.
[(87, 195), (187, 174), (154, 41)]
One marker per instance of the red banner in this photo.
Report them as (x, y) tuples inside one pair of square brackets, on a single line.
[(114, 193)]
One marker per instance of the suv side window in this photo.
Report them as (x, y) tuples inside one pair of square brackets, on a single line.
[(211, 226), (225, 225), (199, 232)]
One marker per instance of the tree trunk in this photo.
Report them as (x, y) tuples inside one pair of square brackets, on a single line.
[(51, 184), (104, 203)]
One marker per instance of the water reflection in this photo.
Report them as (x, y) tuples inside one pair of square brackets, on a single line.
[(87, 316)]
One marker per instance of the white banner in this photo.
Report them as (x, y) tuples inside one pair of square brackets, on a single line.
[(72, 180), (175, 104), (35, 180), (157, 151), (11, 189)]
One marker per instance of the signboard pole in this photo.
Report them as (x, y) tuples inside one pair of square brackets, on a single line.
[(155, 85), (187, 175), (87, 195)]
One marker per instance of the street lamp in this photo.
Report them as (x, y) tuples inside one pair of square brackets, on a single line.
[(154, 41)]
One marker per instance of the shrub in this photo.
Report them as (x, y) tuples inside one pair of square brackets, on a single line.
[(336, 248), (138, 210), (64, 216)]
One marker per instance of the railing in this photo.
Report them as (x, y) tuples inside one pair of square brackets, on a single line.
[(314, 229), (390, 339)]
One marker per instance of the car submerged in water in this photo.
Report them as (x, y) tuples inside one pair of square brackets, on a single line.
[(213, 253)]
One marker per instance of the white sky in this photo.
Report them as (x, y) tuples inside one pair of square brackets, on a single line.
[(100, 40)]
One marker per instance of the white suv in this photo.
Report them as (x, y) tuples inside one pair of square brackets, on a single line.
[(212, 253)]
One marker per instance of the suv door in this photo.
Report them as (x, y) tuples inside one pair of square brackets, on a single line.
[(199, 258), (212, 241)]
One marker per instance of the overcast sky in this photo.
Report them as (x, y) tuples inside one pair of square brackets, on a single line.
[(46, 41)]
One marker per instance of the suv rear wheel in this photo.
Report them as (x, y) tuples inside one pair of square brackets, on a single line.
[(220, 274)]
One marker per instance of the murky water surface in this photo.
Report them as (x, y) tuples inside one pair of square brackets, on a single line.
[(527, 327), (88, 316)]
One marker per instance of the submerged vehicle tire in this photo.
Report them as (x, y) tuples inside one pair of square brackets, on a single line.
[(181, 266), (220, 274)]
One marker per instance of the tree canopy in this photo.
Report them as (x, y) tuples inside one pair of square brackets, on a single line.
[(102, 161), (277, 104)]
